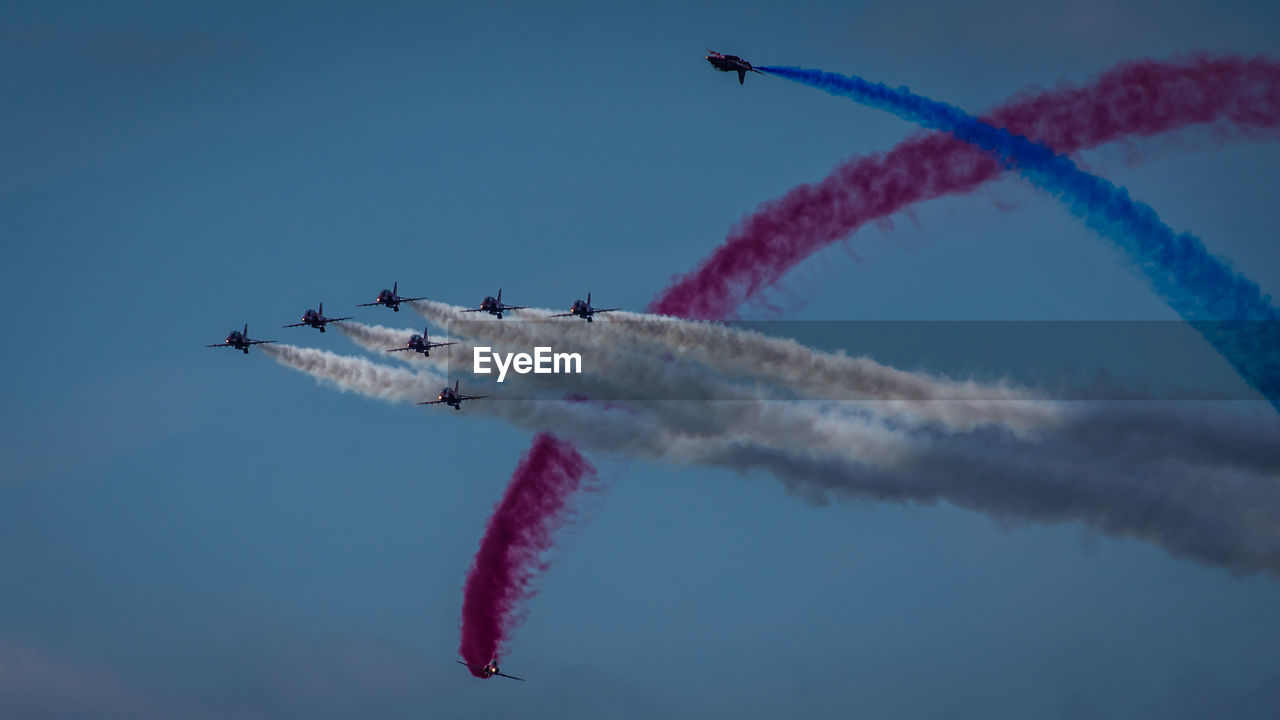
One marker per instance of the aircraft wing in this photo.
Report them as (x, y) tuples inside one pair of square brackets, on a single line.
[(369, 304), (434, 402), (333, 319), (563, 315), (259, 342), (221, 345), (475, 310), (513, 677), (411, 299), (470, 397), (399, 349), (431, 345), (515, 307), (293, 325), (600, 310)]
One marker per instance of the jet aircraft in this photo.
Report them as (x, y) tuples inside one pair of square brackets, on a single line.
[(316, 319), (731, 63), (584, 309), (449, 396), (489, 670), (390, 298), (421, 343), (495, 306), (240, 340)]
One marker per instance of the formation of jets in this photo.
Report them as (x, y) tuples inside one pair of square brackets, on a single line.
[(731, 63), (451, 396)]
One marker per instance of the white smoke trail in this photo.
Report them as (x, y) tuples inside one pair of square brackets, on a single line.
[(723, 351), (1191, 503)]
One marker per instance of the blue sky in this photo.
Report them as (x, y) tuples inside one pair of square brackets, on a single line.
[(188, 532)]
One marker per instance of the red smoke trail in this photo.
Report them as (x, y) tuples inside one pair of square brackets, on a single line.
[(521, 529), (1141, 98)]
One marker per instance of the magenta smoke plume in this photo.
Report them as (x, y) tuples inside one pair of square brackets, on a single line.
[(521, 530), (1135, 99)]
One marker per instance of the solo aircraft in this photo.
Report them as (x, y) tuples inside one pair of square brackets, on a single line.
[(420, 343), (584, 310), (316, 319), (731, 63), (449, 396), (495, 306), (391, 298), (489, 670), (240, 340)]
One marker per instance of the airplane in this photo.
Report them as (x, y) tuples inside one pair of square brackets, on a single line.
[(731, 63), (316, 319), (421, 343), (584, 309), (240, 340), (390, 298), (494, 305), (489, 670), (449, 396)]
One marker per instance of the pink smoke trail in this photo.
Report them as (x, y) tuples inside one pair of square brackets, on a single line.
[(521, 530), (1140, 98)]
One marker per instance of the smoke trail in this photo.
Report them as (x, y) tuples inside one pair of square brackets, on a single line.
[(1141, 98), (1197, 285), (520, 531), (621, 350), (1196, 481)]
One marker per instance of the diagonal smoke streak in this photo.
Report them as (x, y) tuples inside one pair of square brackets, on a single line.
[(1216, 505), (1142, 98)]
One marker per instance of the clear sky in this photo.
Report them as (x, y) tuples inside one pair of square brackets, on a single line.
[(192, 533)]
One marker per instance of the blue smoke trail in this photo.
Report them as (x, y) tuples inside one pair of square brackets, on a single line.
[(1228, 309)]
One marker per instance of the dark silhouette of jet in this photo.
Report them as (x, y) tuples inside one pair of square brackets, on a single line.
[(490, 670), (316, 319), (240, 340), (584, 310), (420, 343), (731, 63), (390, 298)]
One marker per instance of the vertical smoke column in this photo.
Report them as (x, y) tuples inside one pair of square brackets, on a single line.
[(521, 530)]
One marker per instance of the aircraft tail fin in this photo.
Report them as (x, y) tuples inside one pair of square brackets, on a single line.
[(455, 385), (321, 310), (246, 330), (499, 296), (395, 287), (742, 77), (588, 297)]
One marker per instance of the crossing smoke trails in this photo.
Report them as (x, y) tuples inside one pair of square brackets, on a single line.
[(1198, 482), (1135, 99), (1197, 285), (537, 502)]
